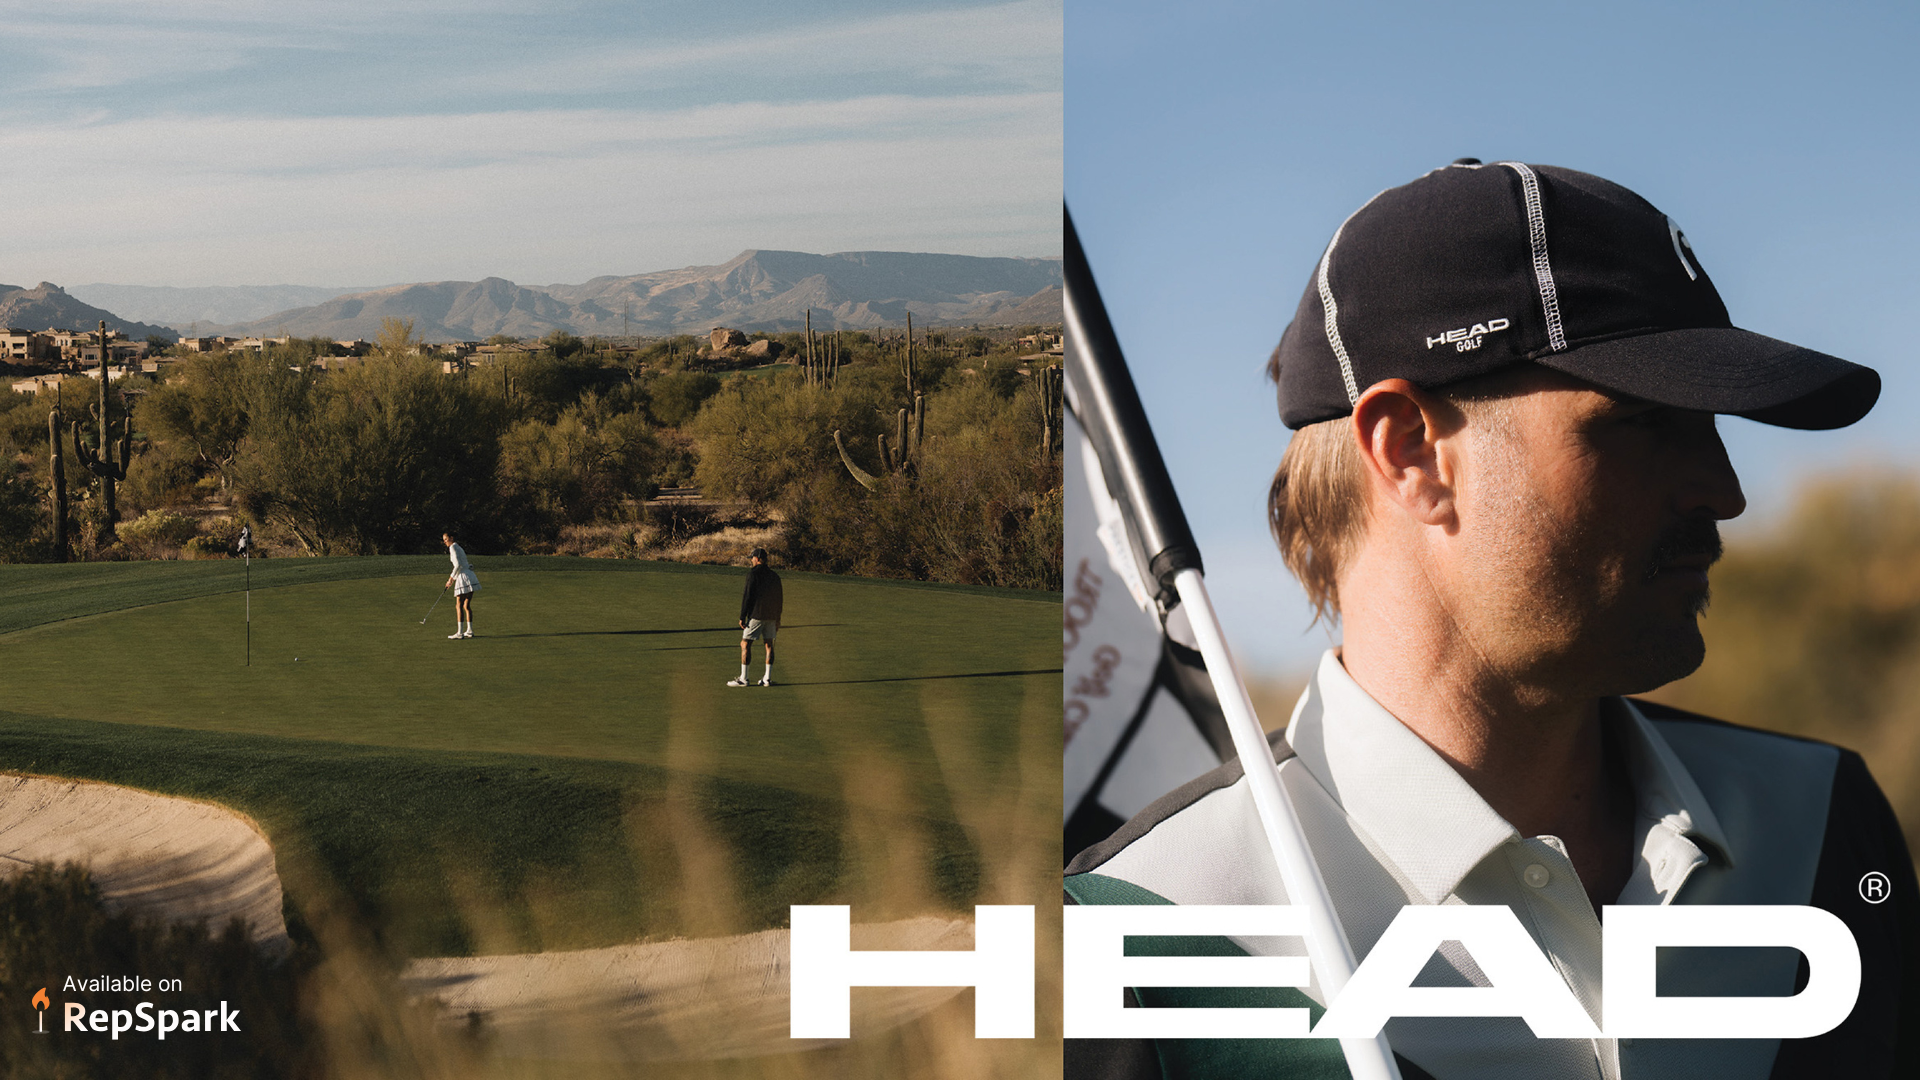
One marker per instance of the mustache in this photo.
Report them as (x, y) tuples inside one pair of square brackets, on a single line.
[(1690, 539)]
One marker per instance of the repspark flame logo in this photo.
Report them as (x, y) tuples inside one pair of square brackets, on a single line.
[(143, 1018)]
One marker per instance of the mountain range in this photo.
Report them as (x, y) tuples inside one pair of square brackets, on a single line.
[(756, 290), (46, 306), (206, 305)]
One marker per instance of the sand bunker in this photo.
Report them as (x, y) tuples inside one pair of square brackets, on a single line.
[(153, 855), (184, 861), (667, 1001)]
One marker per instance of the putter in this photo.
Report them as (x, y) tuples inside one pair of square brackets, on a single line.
[(436, 603)]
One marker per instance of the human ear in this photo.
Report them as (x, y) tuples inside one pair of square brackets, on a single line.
[(1402, 433)]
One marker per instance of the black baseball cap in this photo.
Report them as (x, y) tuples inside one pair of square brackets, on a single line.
[(1472, 268), (760, 553)]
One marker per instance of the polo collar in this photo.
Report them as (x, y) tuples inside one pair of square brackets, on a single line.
[(1422, 815), (1663, 789)]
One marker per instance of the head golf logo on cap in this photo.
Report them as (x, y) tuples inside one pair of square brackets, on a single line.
[(1468, 338), (1473, 268)]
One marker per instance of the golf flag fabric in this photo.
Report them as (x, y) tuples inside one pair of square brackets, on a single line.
[(1141, 718), (1151, 549)]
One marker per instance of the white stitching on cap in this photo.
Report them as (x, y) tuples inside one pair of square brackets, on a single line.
[(1331, 318), (1542, 268), (1330, 311)]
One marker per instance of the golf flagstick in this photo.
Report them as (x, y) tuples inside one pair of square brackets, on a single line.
[(246, 556), (1109, 409)]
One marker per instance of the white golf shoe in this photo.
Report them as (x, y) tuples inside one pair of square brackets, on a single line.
[(456, 636), (738, 682)]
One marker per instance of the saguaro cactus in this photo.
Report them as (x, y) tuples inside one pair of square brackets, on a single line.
[(903, 455), (101, 463), (865, 478), (58, 466), (907, 359), (1050, 388)]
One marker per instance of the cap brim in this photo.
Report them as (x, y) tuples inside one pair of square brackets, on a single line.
[(1725, 370)]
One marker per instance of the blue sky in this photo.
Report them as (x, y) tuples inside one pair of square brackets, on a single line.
[(1213, 149), (332, 142)]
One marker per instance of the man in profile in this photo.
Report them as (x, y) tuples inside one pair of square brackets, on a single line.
[(1504, 482), (759, 616)]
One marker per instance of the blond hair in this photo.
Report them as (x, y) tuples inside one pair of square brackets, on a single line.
[(1317, 507), (1317, 504)]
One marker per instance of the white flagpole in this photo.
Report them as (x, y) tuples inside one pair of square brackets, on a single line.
[(246, 556), (1327, 944), (1168, 555)]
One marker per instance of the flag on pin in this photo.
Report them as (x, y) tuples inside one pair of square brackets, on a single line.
[(1141, 718), (1152, 695)]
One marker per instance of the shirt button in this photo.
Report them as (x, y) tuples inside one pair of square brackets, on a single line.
[(1536, 876)]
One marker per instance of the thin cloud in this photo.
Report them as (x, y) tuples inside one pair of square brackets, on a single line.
[(425, 49), (352, 141), (1019, 42), (540, 196), (275, 145)]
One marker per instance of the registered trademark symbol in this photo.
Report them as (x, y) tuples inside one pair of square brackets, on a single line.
[(1875, 887)]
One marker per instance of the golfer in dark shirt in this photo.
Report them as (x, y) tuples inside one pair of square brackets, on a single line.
[(759, 616)]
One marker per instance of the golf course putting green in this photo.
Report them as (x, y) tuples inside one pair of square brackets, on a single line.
[(577, 775)]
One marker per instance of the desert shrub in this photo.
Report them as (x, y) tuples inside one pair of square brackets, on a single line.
[(676, 397), (967, 518), (23, 516), (602, 541), (164, 475), (375, 459), (562, 344), (164, 527), (731, 546), (981, 505), (583, 465), (668, 523), (206, 547), (1003, 376), (541, 385), (23, 422), (760, 437), (204, 406)]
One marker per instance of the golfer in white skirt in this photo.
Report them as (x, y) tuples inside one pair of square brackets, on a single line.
[(464, 584)]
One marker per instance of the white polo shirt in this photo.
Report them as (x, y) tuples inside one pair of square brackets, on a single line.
[(1724, 815)]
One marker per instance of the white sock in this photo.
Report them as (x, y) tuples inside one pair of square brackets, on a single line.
[(743, 673), (767, 676)]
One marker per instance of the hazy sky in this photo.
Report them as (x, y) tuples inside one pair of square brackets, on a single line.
[(205, 142), (1212, 150)]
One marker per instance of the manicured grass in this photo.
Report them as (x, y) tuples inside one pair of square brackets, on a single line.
[(577, 775)]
